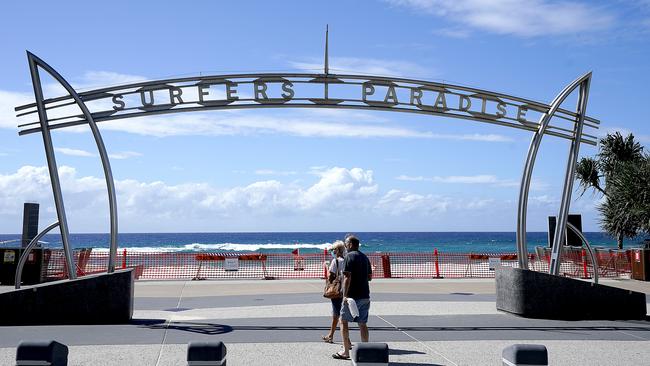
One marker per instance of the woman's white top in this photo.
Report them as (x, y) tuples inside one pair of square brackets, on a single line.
[(333, 266)]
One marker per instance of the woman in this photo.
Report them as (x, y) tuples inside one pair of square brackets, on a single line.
[(335, 273)]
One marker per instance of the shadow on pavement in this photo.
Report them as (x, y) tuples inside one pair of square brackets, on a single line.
[(213, 328), (146, 322), (200, 328), (394, 351), (543, 329)]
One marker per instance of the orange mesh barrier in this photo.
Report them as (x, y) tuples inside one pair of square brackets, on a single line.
[(436, 264)]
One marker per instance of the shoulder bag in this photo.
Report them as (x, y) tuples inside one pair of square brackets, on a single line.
[(333, 288)]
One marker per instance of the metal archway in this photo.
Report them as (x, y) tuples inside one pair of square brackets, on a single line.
[(309, 90)]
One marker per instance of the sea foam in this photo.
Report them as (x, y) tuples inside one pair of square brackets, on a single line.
[(198, 247)]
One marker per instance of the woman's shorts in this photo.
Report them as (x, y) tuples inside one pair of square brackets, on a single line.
[(336, 306)]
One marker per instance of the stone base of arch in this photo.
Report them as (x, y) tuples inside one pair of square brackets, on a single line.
[(105, 298), (540, 295)]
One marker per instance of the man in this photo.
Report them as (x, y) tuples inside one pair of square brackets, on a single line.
[(356, 274)]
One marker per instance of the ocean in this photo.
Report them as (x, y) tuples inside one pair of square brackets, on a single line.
[(312, 242)]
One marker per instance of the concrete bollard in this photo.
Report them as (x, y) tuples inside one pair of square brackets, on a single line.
[(525, 354), (206, 354), (369, 354), (43, 353)]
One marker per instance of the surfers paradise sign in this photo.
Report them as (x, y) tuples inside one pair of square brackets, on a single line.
[(302, 90), (306, 90)]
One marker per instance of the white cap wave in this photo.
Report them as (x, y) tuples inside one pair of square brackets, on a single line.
[(198, 247)]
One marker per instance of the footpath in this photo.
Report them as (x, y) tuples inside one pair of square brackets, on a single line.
[(280, 322)]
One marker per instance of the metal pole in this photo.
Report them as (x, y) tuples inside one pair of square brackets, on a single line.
[(51, 165), (524, 187), (563, 215), (108, 174), (522, 247), (28, 248)]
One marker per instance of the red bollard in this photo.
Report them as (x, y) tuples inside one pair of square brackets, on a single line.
[(584, 264), (124, 259), (435, 258), (385, 263), (325, 269)]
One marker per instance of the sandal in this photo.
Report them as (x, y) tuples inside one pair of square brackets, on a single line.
[(339, 356), (327, 339)]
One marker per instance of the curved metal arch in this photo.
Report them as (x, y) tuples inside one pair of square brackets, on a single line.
[(522, 247), (30, 246), (575, 134), (312, 101), (98, 93), (592, 255), (569, 178), (35, 62)]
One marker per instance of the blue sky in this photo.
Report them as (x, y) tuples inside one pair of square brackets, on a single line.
[(316, 170)]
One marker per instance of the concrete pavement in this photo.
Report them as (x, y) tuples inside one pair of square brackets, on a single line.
[(425, 322)]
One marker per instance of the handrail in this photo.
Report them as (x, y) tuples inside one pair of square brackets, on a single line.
[(32, 244), (594, 263)]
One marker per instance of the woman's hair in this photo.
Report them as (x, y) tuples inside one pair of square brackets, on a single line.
[(338, 245)]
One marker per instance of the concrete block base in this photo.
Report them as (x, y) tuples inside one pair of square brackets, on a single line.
[(206, 354), (49, 353), (96, 299), (540, 295), (525, 355), (369, 354)]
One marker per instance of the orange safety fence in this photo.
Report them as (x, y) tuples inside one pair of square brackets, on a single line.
[(435, 264)]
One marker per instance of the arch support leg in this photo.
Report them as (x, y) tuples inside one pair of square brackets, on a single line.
[(569, 177), (524, 188), (51, 165), (35, 63)]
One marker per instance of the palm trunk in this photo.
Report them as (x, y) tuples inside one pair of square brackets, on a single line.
[(619, 240)]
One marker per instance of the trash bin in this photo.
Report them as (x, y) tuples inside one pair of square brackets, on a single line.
[(641, 264), (32, 271)]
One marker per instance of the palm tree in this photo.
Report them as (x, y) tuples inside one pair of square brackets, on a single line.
[(617, 173)]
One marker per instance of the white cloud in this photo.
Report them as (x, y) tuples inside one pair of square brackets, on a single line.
[(334, 194), (102, 79), (624, 131), (471, 137), (8, 101), (368, 66), (545, 200), (397, 203), (538, 185), (516, 17), (83, 153), (460, 179), (73, 152), (124, 155), (296, 125), (335, 183), (485, 179), (459, 33), (477, 204), (335, 188), (90, 80), (275, 172)]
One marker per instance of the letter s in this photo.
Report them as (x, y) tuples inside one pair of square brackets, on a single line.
[(119, 103), (287, 88)]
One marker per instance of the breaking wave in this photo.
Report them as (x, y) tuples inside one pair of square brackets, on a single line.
[(197, 247)]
